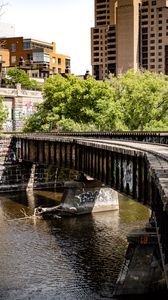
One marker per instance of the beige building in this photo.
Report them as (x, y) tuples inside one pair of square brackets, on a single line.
[(20, 104), (129, 34)]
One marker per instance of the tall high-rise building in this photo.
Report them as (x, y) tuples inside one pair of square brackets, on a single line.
[(129, 34)]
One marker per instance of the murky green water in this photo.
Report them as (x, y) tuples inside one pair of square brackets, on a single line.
[(72, 258)]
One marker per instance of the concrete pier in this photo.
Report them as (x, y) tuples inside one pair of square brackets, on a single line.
[(90, 200), (83, 198)]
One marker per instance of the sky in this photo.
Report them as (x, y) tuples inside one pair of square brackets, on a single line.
[(66, 22)]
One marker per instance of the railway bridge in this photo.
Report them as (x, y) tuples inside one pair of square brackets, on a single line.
[(134, 164)]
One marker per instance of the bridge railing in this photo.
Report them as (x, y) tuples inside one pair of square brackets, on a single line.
[(160, 137)]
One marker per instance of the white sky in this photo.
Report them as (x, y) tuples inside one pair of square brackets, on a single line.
[(66, 22)]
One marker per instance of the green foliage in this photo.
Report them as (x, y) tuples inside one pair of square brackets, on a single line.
[(143, 99), (133, 101), (16, 75), (3, 113), (73, 104)]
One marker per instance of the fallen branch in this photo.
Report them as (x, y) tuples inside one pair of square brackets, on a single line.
[(24, 212), (19, 219), (26, 216)]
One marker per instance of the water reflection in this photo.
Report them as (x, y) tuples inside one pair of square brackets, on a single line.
[(72, 258)]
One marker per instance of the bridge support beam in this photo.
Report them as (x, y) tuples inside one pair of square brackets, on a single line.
[(142, 272)]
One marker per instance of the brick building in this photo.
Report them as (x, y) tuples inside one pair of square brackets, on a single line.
[(37, 58)]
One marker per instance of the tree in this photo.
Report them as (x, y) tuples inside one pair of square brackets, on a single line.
[(143, 100), (3, 113), (133, 101), (16, 75), (2, 5), (73, 104)]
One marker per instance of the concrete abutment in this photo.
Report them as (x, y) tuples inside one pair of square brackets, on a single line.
[(142, 272)]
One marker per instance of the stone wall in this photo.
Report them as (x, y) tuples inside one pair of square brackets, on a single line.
[(20, 175), (17, 176), (13, 175)]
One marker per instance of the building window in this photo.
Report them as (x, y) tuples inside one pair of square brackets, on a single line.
[(13, 47), (29, 57), (59, 70), (144, 55), (54, 70), (59, 61), (111, 52), (145, 36), (111, 41), (96, 30), (111, 58), (144, 10), (144, 61), (145, 49), (53, 60), (154, 2), (144, 30), (145, 3), (144, 43), (13, 59), (0, 58), (110, 47), (26, 45)]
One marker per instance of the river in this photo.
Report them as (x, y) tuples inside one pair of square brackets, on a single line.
[(75, 258)]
